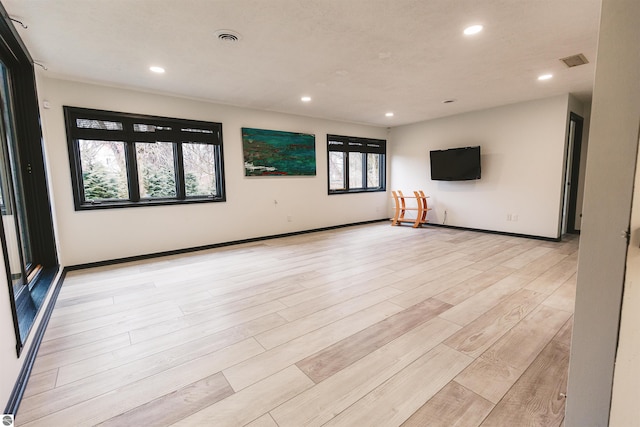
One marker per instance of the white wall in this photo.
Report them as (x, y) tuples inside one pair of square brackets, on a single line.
[(250, 211), (522, 158)]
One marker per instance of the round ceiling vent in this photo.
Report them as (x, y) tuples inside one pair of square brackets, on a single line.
[(228, 36)]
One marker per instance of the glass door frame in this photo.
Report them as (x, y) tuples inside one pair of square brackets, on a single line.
[(28, 144)]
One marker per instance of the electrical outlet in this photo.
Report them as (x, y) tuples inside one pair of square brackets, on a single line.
[(509, 217), (289, 219), (514, 217)]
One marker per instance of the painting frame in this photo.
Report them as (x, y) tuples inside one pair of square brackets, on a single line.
[(278, 153)]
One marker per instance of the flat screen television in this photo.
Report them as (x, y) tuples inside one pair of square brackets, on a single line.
[(455, 164)]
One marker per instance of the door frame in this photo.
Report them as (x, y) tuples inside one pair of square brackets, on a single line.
[(571, 175)]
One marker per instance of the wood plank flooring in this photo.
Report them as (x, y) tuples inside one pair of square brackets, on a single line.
[(361, 326)]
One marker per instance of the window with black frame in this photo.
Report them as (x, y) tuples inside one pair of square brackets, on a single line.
[(356, 164), (122, 159)]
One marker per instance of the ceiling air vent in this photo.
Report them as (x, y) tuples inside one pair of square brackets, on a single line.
[(574, 60), (228, 36)]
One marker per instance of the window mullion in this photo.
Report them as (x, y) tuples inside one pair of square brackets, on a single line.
[(132, 171), (346, 171), (179, 171), (381, 170), (365, 184), (219, 171), (76, 164)]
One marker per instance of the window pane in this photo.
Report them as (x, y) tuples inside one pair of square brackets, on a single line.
[(16, 232), (336, 170), (141, 127), (373, 170), (156, 171), (104, 174), (193, 130), (98, 124), (355, 170), (199, 169)]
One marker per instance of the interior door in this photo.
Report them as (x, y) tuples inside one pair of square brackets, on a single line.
[(624, 405)]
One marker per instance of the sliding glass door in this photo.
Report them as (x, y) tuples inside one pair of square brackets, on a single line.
[(14, 220), (26, 235)]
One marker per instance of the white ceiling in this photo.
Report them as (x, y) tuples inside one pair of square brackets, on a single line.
[(357, 59)]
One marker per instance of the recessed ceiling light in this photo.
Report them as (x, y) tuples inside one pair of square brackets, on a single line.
[(474, 29), (158, 70), (305, 99), (389, 114), (545, 77)]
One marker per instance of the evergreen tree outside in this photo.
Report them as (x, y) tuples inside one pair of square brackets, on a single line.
[(104, 170), (155, 161), (158, 183), (191, 184), (103, 173), (98, 185)]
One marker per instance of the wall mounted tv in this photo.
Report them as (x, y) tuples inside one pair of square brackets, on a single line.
[(455, 164)]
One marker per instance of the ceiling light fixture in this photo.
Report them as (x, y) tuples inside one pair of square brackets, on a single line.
[(474, 29), (156, 69), (545, 77), (305, 99), (389, 114)]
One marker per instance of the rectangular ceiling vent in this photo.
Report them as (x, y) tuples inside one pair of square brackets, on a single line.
[(575, 60)]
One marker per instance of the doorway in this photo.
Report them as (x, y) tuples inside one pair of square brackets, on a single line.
[(571, 175)]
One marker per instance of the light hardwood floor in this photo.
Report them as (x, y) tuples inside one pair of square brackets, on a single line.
[(361, 326)]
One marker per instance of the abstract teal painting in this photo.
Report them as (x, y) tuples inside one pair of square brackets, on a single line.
[(278, 153)]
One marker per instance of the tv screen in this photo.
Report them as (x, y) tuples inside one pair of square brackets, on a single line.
[(455, 164)]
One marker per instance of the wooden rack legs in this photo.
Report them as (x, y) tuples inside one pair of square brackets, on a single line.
[(401, 208)]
